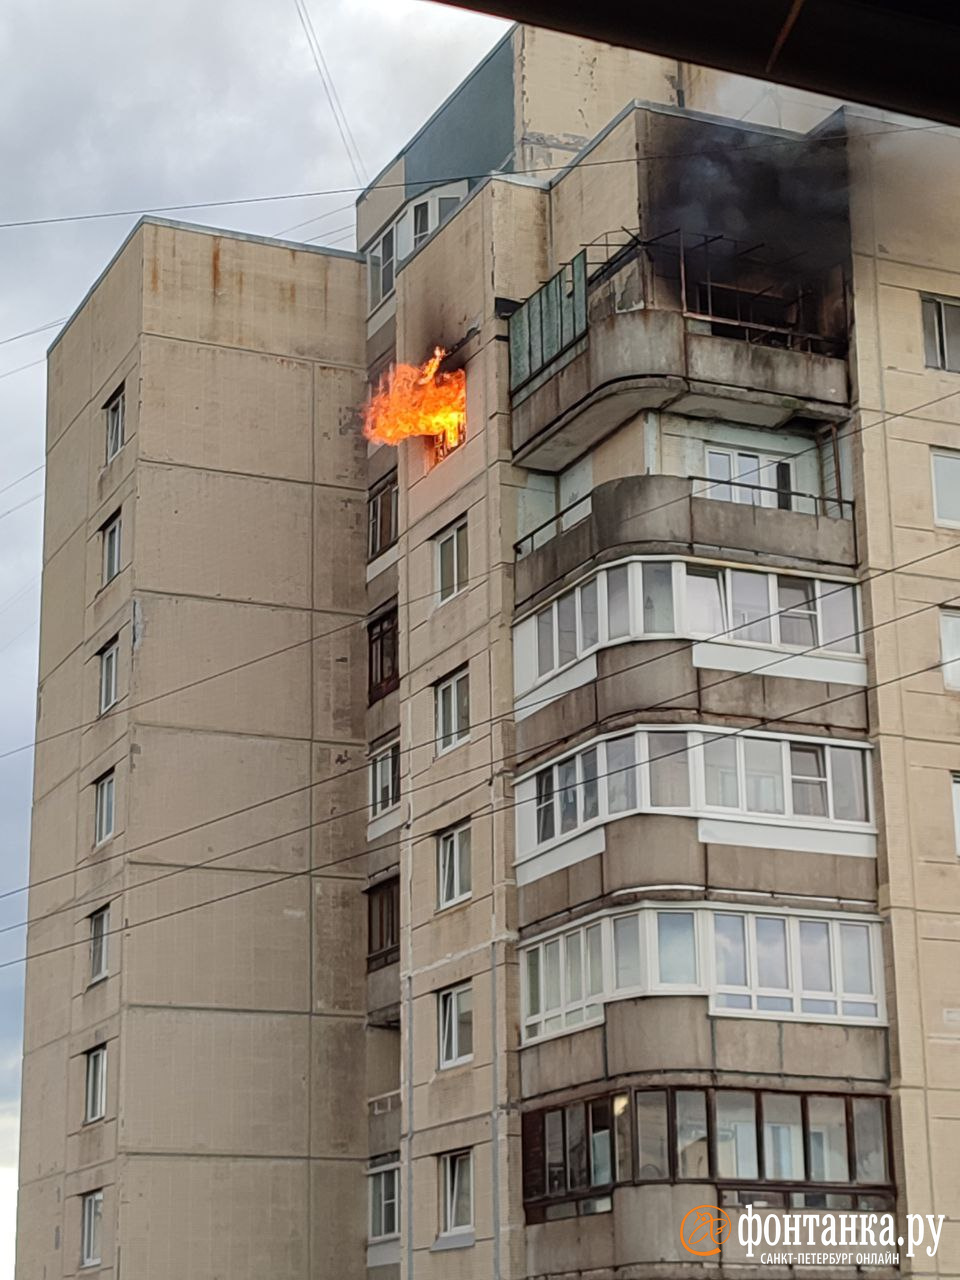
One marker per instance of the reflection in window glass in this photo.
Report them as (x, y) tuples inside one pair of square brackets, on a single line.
[(763, 767), (946, 488), (545, 818), (704, 602), (545, 659), (827, 1121), (730, 949), (719, 468), (621, 774), (588, 774), (720, 771), (567, 627), (816, 970), (618, 602), (870, 1140), (691, 1116), (749, 606), (601, 1152), (798, 611), (657, 597), (577, 1174), (855, 959), (676, 947), (669, 770), (782, 1137), (553, 1142), (652, 1154), (848, 774), (809, 780), (626, 948), (736, 1135), (567, 788), (838, 613), (589, 619), (771, 936)]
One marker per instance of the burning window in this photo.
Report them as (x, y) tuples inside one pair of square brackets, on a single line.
[(419, 400)]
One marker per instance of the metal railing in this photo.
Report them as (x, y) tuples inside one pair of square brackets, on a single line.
[(550, 321)]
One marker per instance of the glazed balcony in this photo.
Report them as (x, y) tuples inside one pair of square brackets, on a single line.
[(697, 326)]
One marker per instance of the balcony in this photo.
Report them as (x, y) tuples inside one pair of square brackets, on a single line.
[(696, 325), (659, 514)]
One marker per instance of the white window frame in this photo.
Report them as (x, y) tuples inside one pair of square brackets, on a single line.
[(950, 667), (91, 1227), (379, 1174), (955, 789), (740, 481), (458, 734), (109, 664), (104, 807), (448, 1021), (461, 573), (112, 538), (526, 787), (99, 939), (949, 455), (540, 1021), (115, 415), (449, 1176), (380, 760), (95, 1084), (450, 850)]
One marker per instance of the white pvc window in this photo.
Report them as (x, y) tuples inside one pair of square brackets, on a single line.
[(946, 486), (111, 538), (453, 710), (757, 479), (950, 647), (91, 1229), (384, 1202), (114, 412), (786, 965), (955, 789), (453, 866), (95, 1091), (381, 263), (104, 804), (99, 937), (456, 1025), (453, 562), (701, 772), (456, 1191), (385, 780), (109, 661)]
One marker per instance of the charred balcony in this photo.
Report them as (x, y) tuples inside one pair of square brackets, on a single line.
[(701, 325)]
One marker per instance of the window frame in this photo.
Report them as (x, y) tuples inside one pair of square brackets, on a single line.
[(757, 494), (91, 1228), (374, 1175), (109, 693), (949, 667), (449, 1164), (383, 923), (115, 422), (104, 807), (99, 944), (383, 652), (955, 792), (111, 534), (456, 734), (932, 303), (448, 1016), (95, 1084), (386, 756), (461, 573), (383, 500), (450, 847)]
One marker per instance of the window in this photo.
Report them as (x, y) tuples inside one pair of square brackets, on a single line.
[(946, 486), (456, 1191), (381, 264), (941, 333), (384, 1203), (104, 808), (383, 666), (421, 223), (110, 534), (955, 789), (99, 934), (453, 866), (91, 1207), (452, 698), (383, 923), (382, 519), (453, 561), (757, 479), (456, 1025), (824, 968), (114, 414), (950, 647), (109, 658), (385, 780), (95, 1093)]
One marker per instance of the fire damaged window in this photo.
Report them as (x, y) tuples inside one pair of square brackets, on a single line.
[(941, 333), (382, 519), (784, 1150), (383, 659), (383, 923)]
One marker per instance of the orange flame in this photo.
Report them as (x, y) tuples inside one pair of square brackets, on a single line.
[(418, 401)]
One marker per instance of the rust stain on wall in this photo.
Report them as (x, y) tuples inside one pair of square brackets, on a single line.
[(215, 266)]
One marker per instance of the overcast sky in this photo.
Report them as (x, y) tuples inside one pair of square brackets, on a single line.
[(112, 105)]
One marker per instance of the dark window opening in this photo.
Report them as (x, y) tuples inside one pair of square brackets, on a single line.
[(382, 519), (383, 924), (383, 657)]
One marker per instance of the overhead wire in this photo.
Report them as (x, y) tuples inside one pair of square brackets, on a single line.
[(330, 89)]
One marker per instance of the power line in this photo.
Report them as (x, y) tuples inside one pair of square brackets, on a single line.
[(457, 177), (333, 98), (20, 505), (20, 368), (341, 208), (28, 333), (26, 476), (512, 804)]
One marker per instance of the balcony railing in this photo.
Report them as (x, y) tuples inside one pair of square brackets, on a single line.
[(549, 322)]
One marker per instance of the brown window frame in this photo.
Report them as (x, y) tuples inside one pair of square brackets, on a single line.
[(383, 923), (383, 655), (538, 1201)]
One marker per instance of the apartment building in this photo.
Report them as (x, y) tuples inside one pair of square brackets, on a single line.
[(475, 854)]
